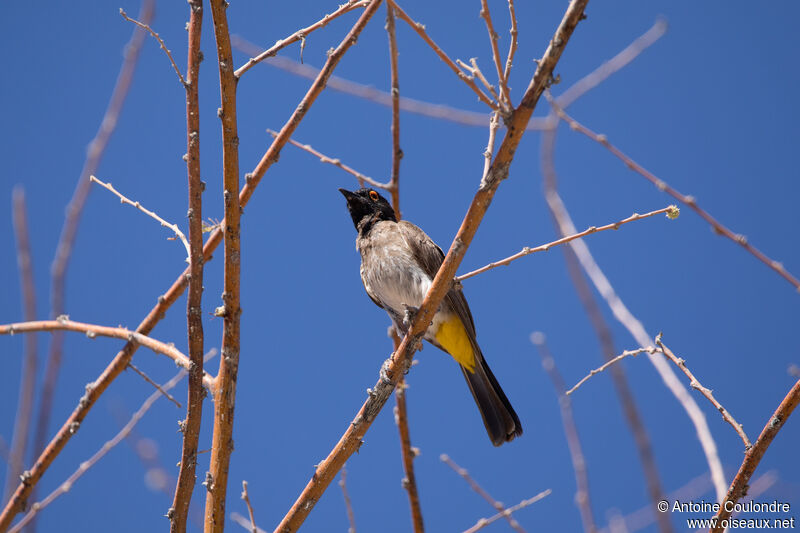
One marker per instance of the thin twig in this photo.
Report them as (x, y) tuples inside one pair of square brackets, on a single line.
[(91, 331), (335, 161), (351, 517), (502, 82), (620, 357), (753, 456), (625, 395), (494, 124), (475, 72), (225, 382), (65, 487), (299, 35), (397, 152), (637, 331), (147, 27), (190, 427), (483, 522), (695, 384), (582, 499), (671, 211), (394, 368), (420, 29), (66, 241), (246, 498), (409, 453), (27, 382), (148, 379), (622, 59), (174, 227), (512, 48), (498, 506), (684, 199)]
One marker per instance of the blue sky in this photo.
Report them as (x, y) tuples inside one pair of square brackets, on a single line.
[(711, 109)]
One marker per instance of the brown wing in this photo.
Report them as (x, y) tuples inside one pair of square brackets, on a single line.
[(431, 257)]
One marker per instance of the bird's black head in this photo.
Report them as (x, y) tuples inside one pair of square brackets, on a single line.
[(367, 207)]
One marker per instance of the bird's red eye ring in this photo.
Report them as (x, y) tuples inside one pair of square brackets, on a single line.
[(374, 196)]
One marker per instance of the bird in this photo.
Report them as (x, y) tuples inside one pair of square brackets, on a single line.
[(398, 264)]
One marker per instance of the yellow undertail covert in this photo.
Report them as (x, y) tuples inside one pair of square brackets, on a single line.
[(452, 336)]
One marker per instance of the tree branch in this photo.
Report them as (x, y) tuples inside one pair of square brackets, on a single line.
[(695, 384), (174, 227), (190, 427), (225, 382), (671, 211), (27, 382), (499, 507), (753, 456), (146, 26), (420, 29), (63, 323), (570, 431), (299, 35)]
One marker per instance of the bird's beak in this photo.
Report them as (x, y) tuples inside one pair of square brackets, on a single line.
[(352, 198)]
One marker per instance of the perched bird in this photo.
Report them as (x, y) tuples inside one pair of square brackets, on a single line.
[(398, 264)]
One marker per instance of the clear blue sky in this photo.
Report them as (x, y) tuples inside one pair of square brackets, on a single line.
[(711, 108)]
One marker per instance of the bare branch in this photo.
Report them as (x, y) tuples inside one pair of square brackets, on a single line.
[(246, 498), (91, 331), (482, 493), (225, 382), (337, 163), (351, 518), (174, 227), (494, 124), (501, 78), (179, 512), (671, 212), (409, 453), (512, 47), (622, 59), (420, 29), (397, 152), (299, 35), (147, 27), (158, 387), (27, 382), (753, 456), (695, 384), (620, 357), (483, 522), (570, 431), (684, 199)]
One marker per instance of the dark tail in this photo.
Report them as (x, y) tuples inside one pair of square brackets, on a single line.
[(499, 417)]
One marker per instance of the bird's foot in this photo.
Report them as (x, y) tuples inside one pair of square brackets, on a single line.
[(409, 314)]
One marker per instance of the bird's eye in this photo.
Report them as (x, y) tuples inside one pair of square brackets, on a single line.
[(374, 196)]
